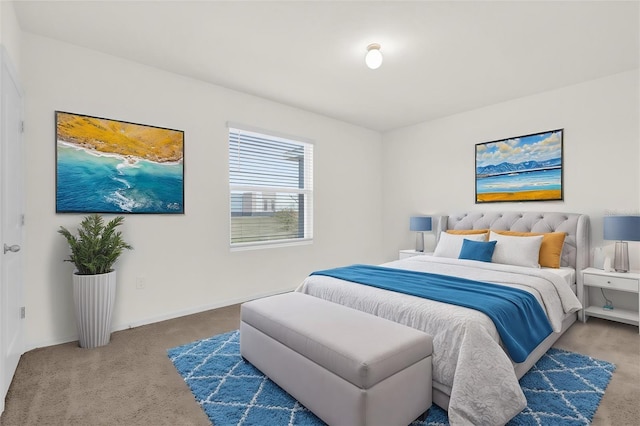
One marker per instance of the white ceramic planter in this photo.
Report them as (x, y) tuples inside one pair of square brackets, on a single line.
[(94, 297)]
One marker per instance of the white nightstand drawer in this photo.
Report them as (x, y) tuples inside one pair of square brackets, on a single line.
[(619, 286), (615, 283)]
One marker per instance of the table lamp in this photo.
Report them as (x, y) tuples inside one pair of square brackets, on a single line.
[(621, 229), (420, 224)]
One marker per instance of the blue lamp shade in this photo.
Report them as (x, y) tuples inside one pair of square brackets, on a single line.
[(622, 228), (420, 223)]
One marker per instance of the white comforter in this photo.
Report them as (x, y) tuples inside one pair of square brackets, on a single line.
[(467, 356)]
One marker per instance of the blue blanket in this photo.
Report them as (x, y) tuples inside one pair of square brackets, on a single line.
[(519, 318)]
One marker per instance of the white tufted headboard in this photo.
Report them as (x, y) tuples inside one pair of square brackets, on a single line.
[(575, 252)]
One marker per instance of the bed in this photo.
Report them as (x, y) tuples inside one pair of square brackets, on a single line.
[(473, 377)]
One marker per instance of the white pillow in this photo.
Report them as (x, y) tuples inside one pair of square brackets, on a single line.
[(449, 245), (520, 251)]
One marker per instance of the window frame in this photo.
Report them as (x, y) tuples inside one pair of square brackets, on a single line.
[(307, 191)]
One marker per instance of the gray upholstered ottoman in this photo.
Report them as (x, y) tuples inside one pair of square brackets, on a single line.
[(346, 366)]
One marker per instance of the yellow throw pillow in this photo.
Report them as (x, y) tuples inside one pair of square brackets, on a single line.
[(469, 232), (550, 249)]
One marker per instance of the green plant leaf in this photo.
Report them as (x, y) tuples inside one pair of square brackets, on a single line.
[(97, 246)]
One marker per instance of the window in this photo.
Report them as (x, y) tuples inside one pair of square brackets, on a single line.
[(271, 188)]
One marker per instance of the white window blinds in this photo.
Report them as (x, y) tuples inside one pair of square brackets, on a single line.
[(271, 188)]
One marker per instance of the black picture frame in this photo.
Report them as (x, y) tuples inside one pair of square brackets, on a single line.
[(112, 166), (521, 168)]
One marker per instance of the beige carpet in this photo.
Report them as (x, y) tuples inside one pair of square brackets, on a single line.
[(132, 382)]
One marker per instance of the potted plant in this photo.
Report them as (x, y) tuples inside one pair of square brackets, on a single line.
[(93, 252)]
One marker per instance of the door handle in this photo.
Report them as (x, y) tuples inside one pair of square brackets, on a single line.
[(14, 248)]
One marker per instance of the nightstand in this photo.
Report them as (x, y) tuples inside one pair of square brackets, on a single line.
[(409, 253), (628, 282)]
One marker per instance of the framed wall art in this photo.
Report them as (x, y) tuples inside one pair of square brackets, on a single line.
[(111, 166), (523, 168)]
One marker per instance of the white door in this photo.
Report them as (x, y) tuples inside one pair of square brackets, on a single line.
[(11, 223)]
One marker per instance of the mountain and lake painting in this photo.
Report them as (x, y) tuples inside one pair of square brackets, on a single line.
[(525, 168), (109, 166)]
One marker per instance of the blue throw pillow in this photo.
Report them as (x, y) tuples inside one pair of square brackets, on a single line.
[(477, 250)]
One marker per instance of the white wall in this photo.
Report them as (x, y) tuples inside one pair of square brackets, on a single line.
[(10, 33), (429, 168), (185, 258)]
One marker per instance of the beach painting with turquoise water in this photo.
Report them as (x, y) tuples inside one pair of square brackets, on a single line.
[(524, 168), (109, 166)]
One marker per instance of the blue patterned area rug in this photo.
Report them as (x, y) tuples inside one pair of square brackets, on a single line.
[(563, 388)]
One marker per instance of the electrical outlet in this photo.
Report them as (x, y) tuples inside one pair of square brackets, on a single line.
[(141, 283)]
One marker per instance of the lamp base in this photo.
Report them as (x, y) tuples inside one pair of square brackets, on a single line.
[(621, 259), (420, 242)]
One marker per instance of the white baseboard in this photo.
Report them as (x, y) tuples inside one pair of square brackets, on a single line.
[(158, 318)]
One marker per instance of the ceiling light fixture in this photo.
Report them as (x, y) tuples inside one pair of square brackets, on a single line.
[(373, 59)]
